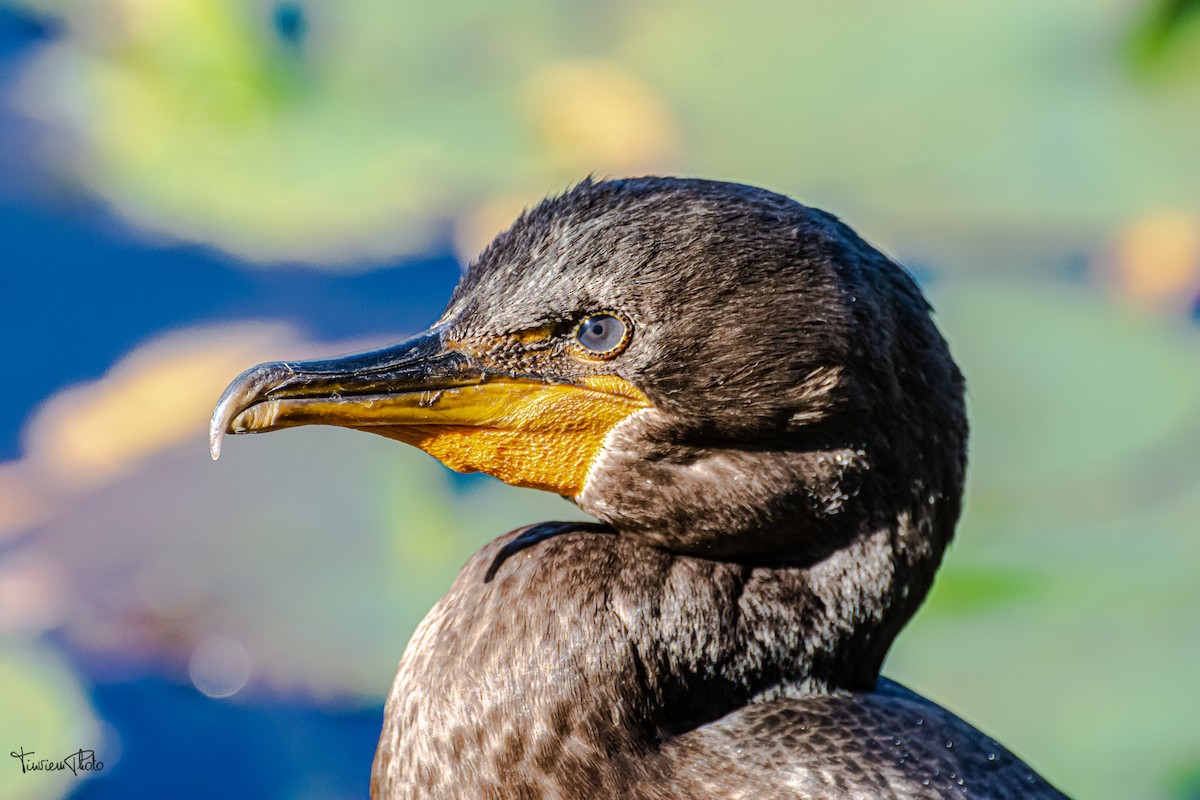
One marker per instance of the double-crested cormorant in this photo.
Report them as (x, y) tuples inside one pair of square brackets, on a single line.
[(756, 405)]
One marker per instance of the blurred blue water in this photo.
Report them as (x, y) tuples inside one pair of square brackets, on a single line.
[(80, 295), (177, 743)]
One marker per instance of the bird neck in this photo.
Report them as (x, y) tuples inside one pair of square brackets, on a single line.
[(616, 646)]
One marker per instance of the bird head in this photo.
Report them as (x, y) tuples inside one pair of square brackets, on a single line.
[(713, 368)]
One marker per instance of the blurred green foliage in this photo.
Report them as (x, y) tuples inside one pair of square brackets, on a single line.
[(371, 126), (1167, 38), (43, 708)]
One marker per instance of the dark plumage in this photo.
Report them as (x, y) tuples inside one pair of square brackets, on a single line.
[(775, 508)]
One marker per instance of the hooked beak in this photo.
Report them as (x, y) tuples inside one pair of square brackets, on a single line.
[(526, 430), (375, 388)]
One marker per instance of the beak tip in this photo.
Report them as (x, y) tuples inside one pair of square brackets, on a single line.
[(216, 433), (227, 408), (241, 393)]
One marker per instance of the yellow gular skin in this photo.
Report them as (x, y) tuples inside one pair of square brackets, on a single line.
[(540, 436), (536, 435)]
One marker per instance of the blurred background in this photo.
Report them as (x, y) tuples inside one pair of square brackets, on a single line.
[(188, 187)]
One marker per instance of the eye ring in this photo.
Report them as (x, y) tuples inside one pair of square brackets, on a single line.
[(602, 334)]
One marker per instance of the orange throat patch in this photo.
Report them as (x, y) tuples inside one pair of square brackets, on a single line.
[(536, 435)]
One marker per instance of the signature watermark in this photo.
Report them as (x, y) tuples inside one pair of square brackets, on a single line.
[(79, 761)]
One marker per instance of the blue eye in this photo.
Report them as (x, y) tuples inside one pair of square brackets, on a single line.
[(602, 334)]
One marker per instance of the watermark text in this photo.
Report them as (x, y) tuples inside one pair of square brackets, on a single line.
[(79, 761)]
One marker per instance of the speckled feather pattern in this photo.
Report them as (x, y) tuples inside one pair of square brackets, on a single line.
[(889, 743), (593, 666)]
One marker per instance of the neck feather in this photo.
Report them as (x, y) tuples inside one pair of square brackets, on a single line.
[(591, 644)]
